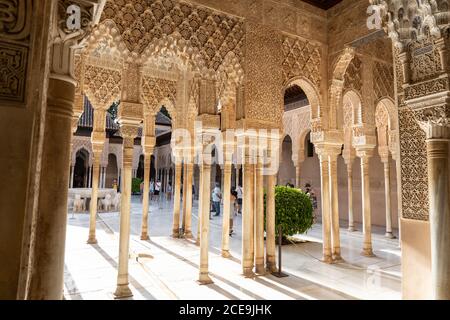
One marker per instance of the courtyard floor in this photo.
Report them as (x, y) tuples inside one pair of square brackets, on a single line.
[(167, 268)]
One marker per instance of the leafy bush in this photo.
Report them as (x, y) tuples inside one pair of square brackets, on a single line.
[(136, 185), (293, 211)]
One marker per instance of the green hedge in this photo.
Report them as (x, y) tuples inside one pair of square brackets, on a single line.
[(136, 185), (293, 211)]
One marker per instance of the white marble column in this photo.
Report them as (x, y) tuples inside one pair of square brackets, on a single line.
[(259, 220), (47, 279), (200, 205), (204, 226), (188, 199), (184, 202), (387, 196), (438, 186), (248, 226), (365, 155), (326, 212), (351, 223), (72, 173), (270, 225), (128, 133), (176, 200), (145, 196), (226, 210), (94, 197), (334, 201)]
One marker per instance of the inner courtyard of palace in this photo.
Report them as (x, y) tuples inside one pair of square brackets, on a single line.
[(120, 120)]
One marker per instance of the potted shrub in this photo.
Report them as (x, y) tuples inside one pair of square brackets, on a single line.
[(293, 211), (136, 186)]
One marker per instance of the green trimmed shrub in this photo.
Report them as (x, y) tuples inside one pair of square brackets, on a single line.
[(293, 211), (136, 185)]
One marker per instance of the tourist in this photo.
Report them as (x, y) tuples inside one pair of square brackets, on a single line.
[(152, 189), (157, 188), (141, 189), (233, 209), (312, 195), (114, 185), (239, 195), (216, 198), (169, 191)]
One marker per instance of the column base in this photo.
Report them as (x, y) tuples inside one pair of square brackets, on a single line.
[(337, 258), (122, 291), (175, 234), (204, 279), (248, 273), (145, 237), (188, 235), (327, 259), (197, 242), (260, 270), (92, 241), (226, 254), (351, 229), (367, 252), (271, 267), (389, 235)]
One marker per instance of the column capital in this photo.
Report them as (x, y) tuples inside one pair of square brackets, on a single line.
[(434, 121), (365, 152), (364, 136)]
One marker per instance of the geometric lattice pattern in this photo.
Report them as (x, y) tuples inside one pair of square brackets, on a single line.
[(383, 80), (212, 33), (301, 58)]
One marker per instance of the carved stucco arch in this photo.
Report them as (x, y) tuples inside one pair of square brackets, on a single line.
[(312, 93), (386, 115), (82, 146), (353, 98), (337, 87)]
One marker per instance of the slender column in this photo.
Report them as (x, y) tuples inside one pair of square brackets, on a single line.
[(123, 290), (91, 171), (365, 180), (47, 280), (104, 178), (183, 226), (145, 201), (200, 205), (188, 198), (72, 173), (334, 198), (226, 210), (438, 181), (270, 224), (387, 195), (351, 223), (237, 176), (297, 175), (259, 220), (88, 181), (247, 221), (326, 214), (176, 201), (204, 225), (94, 198)]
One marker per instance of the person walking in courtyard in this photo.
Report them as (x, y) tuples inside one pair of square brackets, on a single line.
[(239, 195), (152, 189), (216, 198), (233, 209), (169, 191)]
